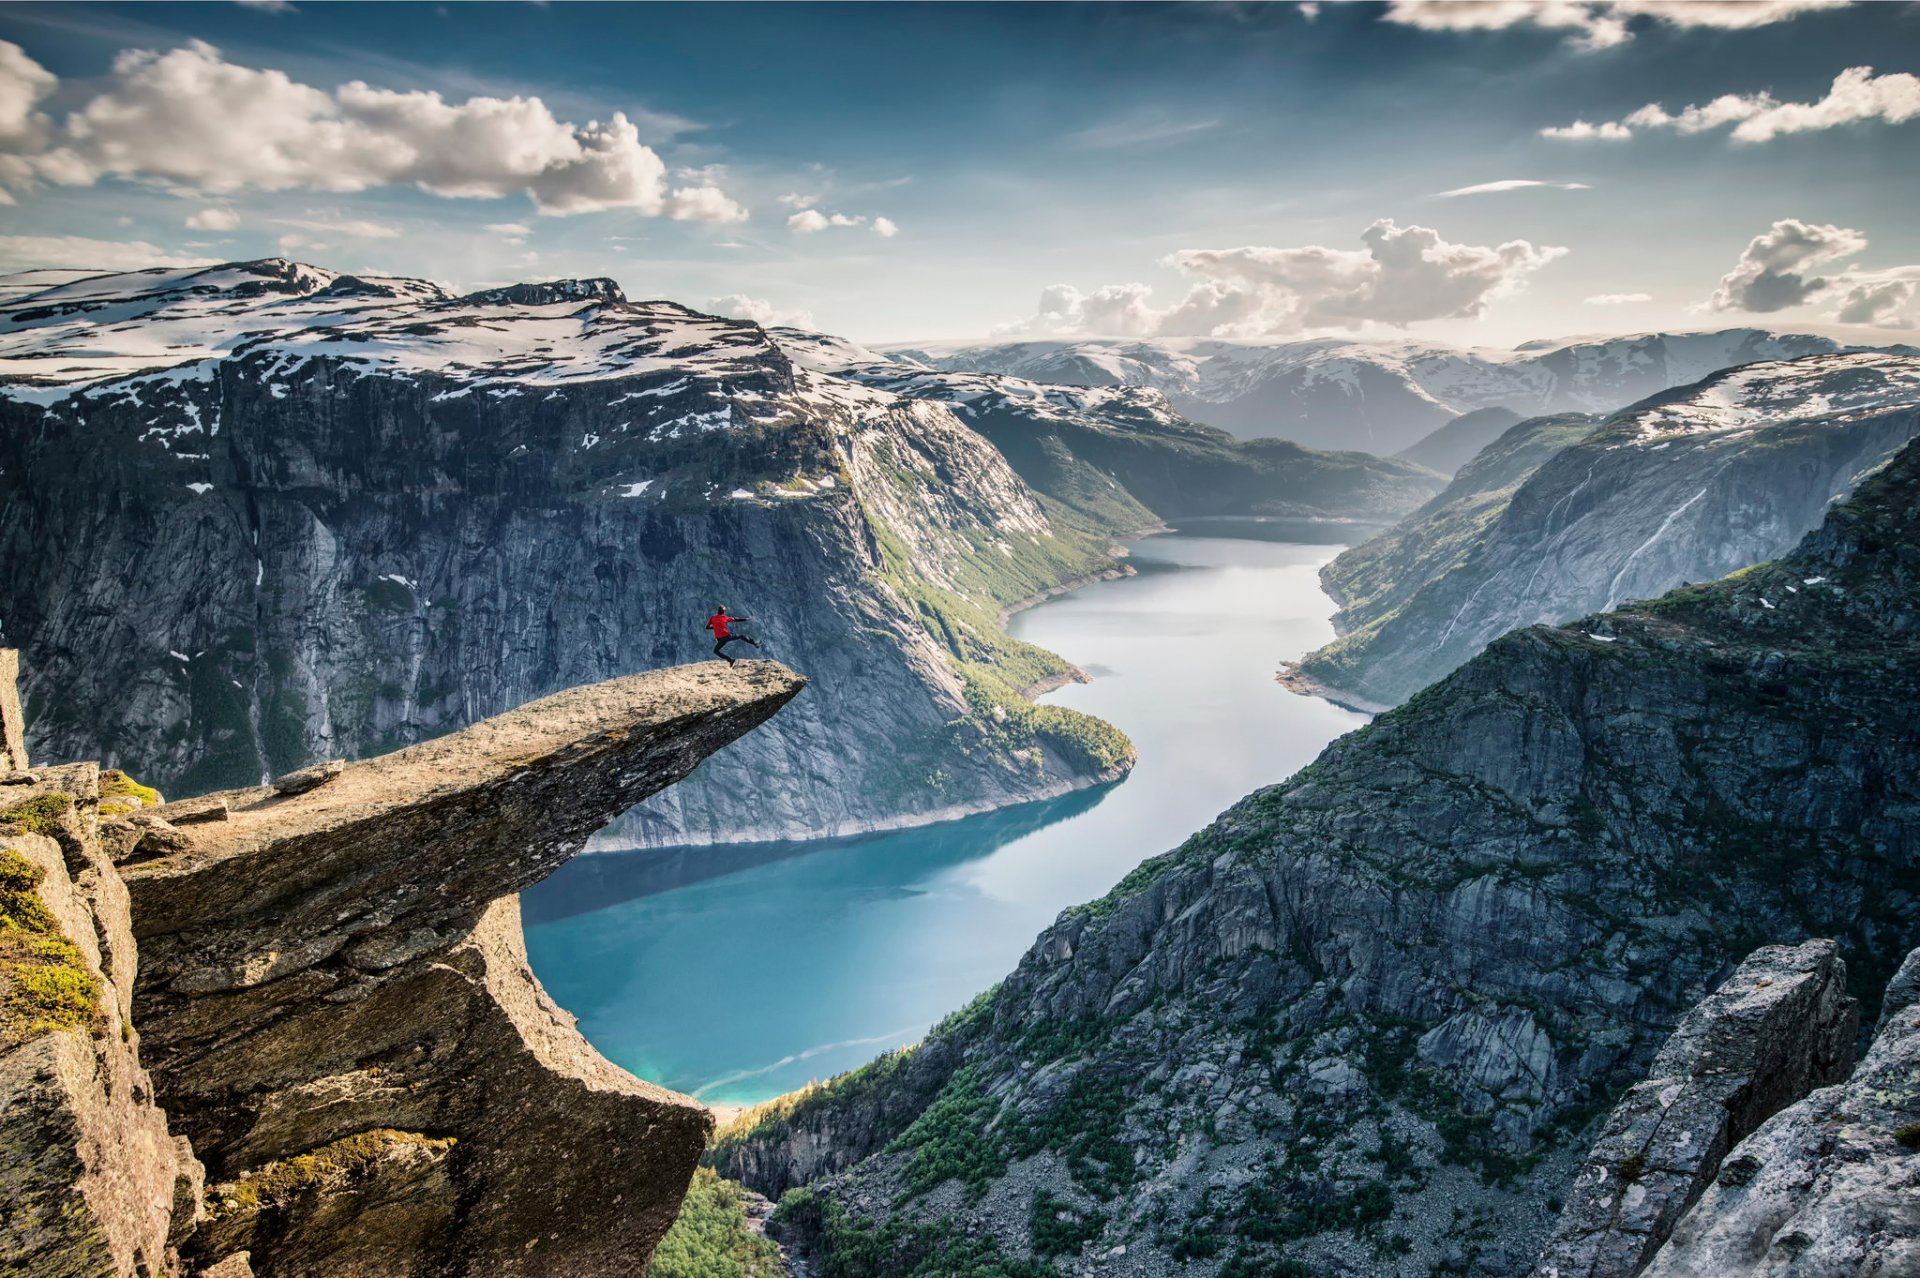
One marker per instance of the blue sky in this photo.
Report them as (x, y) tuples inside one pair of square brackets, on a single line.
[(1202, 152)]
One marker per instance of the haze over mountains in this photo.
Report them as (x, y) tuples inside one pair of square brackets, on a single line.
[(1377, 397)]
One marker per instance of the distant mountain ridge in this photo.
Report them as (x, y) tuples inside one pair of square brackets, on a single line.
[(1377, 397), (1114, 452)]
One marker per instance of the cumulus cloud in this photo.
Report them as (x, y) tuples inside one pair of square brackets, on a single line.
[(1400, 275), (1618, 299), (1595, 24), (1511, 184), (213, 218), (759, 311), (19, 252), (1856, 96), (191, 120), (1774, 272), (1883, 302), (813, 221), (704, 204)]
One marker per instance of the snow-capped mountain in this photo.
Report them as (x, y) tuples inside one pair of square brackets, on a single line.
[(1123, 454), (1378, 397), (1566, 516), (263, 512)]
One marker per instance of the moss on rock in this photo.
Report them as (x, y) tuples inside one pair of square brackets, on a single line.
[(44, 981)]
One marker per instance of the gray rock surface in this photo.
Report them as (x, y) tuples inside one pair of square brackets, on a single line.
[(13, 724), (337, 1007), (1828, 1188), (1779, 1027), (1687, 486), (1367, 1020)]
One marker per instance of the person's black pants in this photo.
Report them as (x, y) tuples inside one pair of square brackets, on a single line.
[(718, 644)]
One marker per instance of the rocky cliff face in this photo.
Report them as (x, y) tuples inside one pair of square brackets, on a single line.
[(262, 514), (1828, 1186), (1380, 397), (1557, 520), (1363, 1023), (1781, 1026), (322, 986)]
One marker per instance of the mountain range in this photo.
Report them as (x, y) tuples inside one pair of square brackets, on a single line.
[(1376, 397), (265, 513)]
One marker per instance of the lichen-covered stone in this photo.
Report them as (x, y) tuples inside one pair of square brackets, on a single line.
[(1779, 1027), (326, 966)]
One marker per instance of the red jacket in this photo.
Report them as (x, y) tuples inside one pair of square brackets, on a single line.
[(720, 623)]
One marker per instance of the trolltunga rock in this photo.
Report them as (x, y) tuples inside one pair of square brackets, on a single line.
[(337, 1008)]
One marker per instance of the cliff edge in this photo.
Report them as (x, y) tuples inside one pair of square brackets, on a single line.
[(332, 1003)]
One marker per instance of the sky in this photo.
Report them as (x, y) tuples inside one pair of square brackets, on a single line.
[(1475, 173)]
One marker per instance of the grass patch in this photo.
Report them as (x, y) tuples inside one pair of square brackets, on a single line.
[(115, 784), (845, 1248), (39, 815), (44, 981), (710, 1237), (279, 1183)]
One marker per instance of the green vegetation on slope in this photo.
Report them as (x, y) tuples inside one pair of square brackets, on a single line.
[(995, 667), (710, 1237)]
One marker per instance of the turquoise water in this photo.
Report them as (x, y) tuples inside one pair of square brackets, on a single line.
[(773, 972)]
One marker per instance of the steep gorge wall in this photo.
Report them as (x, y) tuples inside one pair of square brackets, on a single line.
[(1386, 999), (223, 576)]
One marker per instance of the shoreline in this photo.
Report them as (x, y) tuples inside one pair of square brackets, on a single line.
[(1295, 680)]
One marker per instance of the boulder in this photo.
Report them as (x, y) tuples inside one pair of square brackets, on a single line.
[(1779, 1027)]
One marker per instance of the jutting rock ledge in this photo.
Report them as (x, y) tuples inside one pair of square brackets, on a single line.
[(330, 1056)]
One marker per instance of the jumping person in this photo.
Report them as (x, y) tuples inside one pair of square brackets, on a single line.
[(722, 626)]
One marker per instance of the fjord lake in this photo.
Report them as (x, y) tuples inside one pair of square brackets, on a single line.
[(738, 973)]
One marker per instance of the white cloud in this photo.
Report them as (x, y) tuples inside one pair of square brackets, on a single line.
[(885, 228), (1581, 131), (1857, 95), (704, 204), (18, 252), (359, 230), (213, 218), (759, 311), (190, 120), (1772, 273), (795, 200), (813, 221), (1309, 9), (1511, 184), (1618, 299), (509, 228), (1401, 276), (293, 244), (1882, 302), (1595, 24)]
